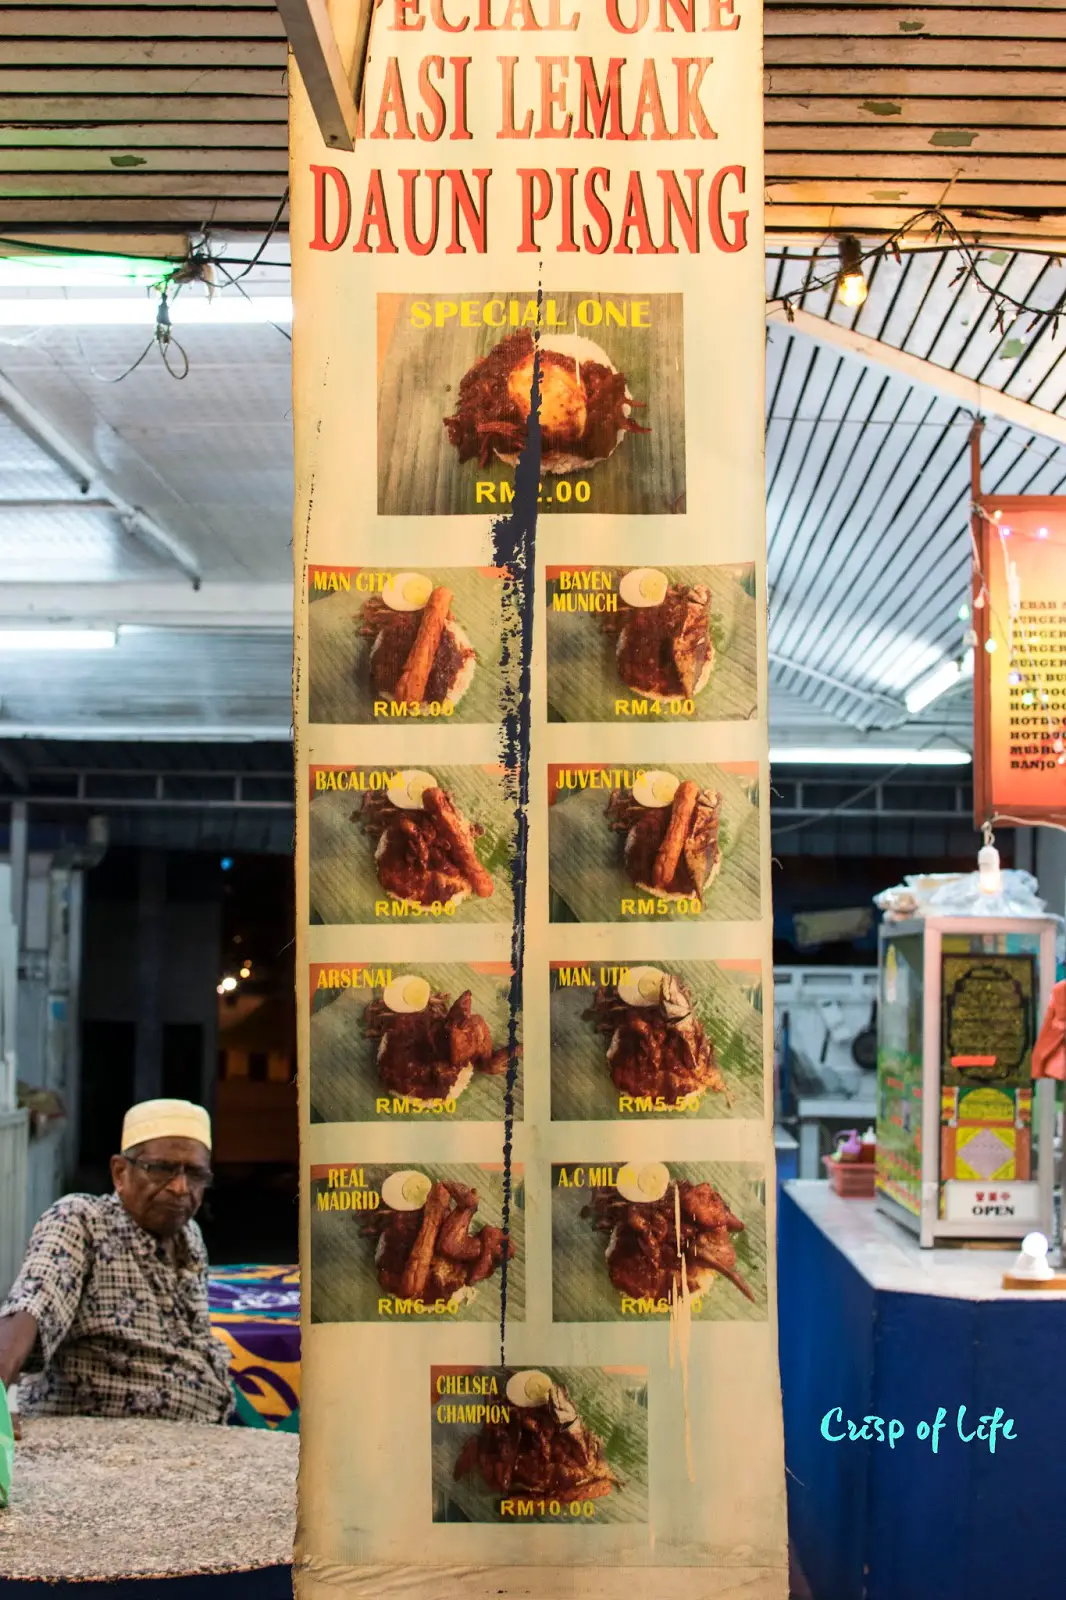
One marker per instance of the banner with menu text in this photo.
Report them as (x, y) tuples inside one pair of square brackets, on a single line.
[(1019, 600), (534, 946)]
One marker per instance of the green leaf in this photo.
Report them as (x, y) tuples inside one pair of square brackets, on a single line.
[(953, 137)]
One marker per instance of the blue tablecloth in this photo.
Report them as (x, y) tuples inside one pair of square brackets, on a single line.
[(870, 1523)]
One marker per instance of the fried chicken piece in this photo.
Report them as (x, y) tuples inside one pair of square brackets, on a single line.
[(659, 1050), (431, 1254), (454, 1239), (665, 650), (426, 1053), (661, 1248), (646, 828), (492, 1245), (469, 1037), (413, 864), (426, 856), (395, 636), (459, 838), (544, 1450), (416, 1272)]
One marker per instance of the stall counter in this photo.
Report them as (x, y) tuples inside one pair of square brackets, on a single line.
[(138, 1508), (874, 1327)]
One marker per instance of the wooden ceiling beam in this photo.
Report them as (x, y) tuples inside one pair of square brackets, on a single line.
[(976, 397), (333, 89)]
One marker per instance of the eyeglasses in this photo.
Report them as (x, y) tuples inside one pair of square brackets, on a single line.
[(162, 1173)]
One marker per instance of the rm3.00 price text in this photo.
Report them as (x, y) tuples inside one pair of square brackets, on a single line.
[(414, 709), (560, 492), (585, 1509)]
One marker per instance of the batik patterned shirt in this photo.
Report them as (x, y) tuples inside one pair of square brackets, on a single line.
[(122, 1323)]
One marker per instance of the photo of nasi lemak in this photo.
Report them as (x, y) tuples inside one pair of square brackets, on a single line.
[(455, 379)]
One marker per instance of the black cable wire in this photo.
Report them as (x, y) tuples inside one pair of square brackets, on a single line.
[(939, 224)]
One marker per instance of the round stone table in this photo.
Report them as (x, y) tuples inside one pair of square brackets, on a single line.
[(166, 1509)]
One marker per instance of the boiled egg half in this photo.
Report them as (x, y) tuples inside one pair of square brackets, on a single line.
[(407, 994), (407, 591), (641, 1182), (529, 1388), (655, 788), (407, 788), (406, 1191), (643, 987), (644, 586)]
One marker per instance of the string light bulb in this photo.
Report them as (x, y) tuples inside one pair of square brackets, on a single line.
[(991, 646), (852, 287), (988, 873)]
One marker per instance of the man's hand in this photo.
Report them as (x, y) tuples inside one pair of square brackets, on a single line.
[(18, 1335)]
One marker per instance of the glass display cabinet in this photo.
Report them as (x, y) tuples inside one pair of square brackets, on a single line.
[(964, 1135)]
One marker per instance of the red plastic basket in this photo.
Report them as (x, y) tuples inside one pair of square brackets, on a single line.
[(855, 1180)]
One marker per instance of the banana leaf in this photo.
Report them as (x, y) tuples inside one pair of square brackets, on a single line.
[(343, 877), (614, 1405), (344, 1280), (729, 1005), (582, 1290), (339, 655), (583, 681), (344, 1078), (419, 472)]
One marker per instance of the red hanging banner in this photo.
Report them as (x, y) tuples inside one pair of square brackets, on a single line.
[(1019, 601)]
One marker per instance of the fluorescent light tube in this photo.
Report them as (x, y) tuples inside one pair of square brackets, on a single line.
[(932, 686), (121, 311), (60, 271), (43, 639), (868, 755)]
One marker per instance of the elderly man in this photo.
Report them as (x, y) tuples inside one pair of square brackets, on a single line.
[(109, 1311)]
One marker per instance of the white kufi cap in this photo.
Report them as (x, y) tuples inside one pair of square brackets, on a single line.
[(165, 1119)]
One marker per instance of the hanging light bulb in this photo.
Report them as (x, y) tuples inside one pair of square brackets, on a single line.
[(851, 280), (979, 602), (964, 613), (988, 869), (991, 646)]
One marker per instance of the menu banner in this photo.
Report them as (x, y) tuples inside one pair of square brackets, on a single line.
[(1019, 615), (533, 875)]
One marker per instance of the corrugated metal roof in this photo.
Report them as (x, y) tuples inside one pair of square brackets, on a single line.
[(867, 484), (868, 476)]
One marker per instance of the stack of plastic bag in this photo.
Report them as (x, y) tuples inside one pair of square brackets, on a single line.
[(959, 894)]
